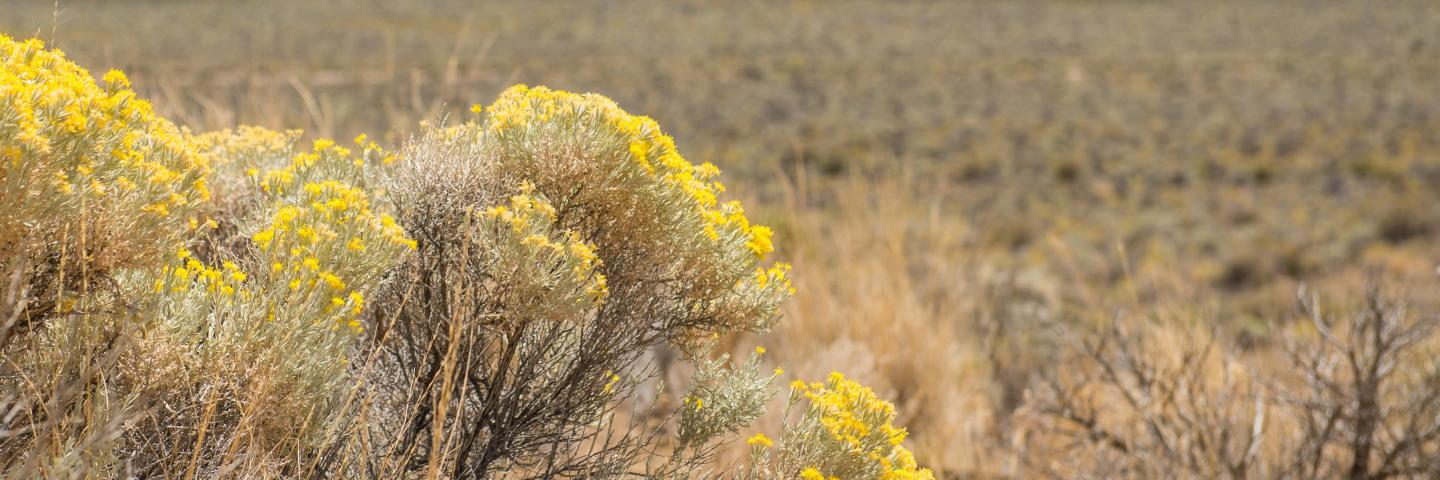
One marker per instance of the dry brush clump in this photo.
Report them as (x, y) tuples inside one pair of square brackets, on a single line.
[(229, 304), (1369, 401), (1144, 400), (904, 315), (1358, 398)]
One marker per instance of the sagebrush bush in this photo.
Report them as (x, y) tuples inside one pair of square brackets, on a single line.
[(723, 398)]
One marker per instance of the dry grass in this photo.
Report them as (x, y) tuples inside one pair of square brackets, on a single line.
[(961, 185)]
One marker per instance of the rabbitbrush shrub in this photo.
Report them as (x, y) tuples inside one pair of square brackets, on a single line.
[(559, 239), (499, 298), (92, 183)]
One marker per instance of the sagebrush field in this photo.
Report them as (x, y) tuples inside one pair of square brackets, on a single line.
[(1074, 239)]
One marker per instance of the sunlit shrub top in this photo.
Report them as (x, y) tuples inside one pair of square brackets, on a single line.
[(277, 288), (323, 240), (657, 220), (649, 148), (317, 244), (73, 150)]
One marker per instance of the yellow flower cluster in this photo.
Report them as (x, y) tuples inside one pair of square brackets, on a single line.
[(649, 148), (323, 232), (777, 274), (325, 156), (530, 218), (732, 214), (858, 422), (190, 273), (67, 142), (662, 205), (55, 109), (614, 379), (246, 145), (811, 473)]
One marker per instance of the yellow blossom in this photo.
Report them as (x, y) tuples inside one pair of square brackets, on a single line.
[(116, 79), (332, 281), (610, 385), (357, 301), (263, 238)]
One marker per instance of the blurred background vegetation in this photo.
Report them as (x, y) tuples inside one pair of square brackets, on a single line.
[(957, 183)]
